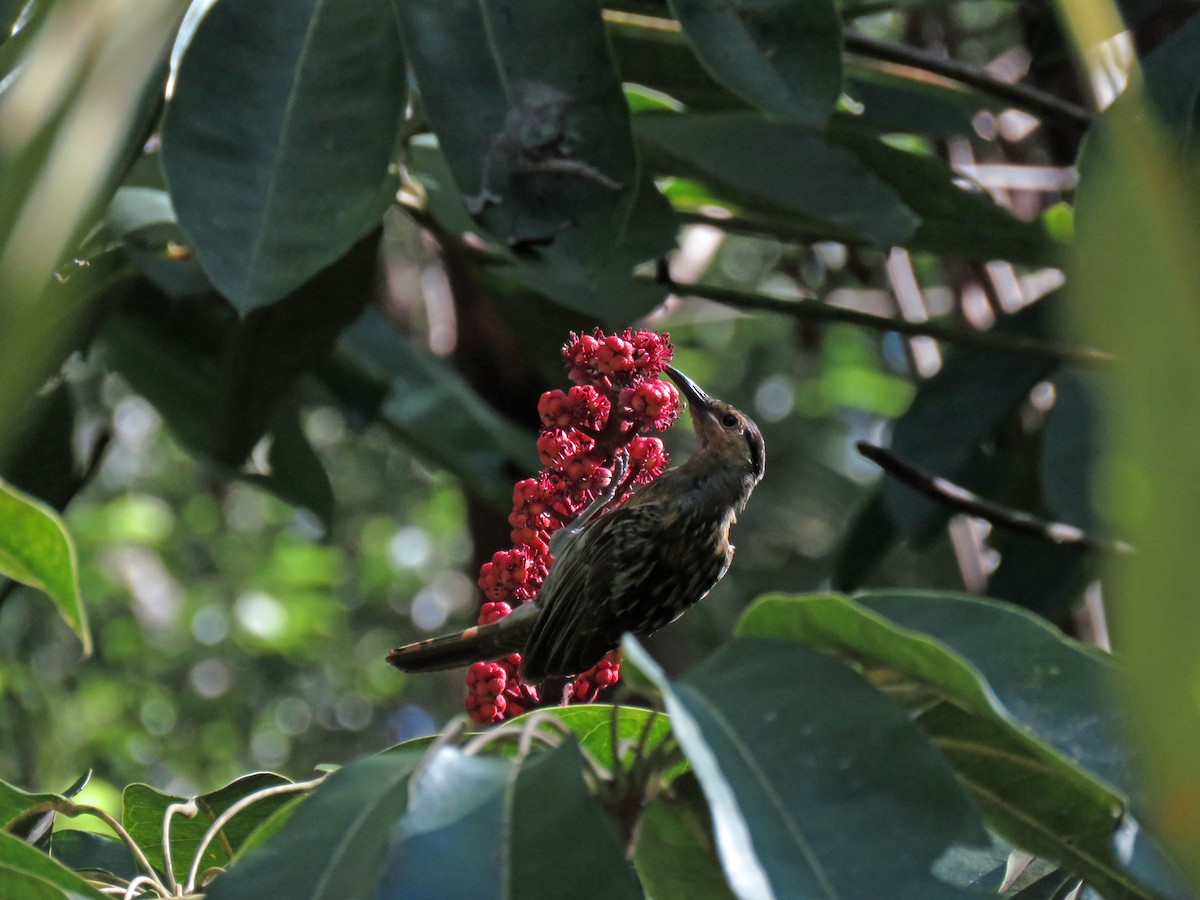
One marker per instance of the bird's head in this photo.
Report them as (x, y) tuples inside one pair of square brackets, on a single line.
[(721, 430)]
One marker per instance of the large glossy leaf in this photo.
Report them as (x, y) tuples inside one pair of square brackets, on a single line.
[(783, 57), (992, 659), (804, 764), (516, 809), (797, 171), (953, 219), (335, 843), (29, 874), (1137, 236), (529, 112), (605, 293), (608, 293), (1054, 813), (1035, 735), (36, 549), (430, 407), (278, 136), (143, 809), (676, 854)]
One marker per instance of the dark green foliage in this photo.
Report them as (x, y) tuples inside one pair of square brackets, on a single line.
[(335, 262)]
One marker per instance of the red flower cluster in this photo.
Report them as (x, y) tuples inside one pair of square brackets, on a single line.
[(617, 396)]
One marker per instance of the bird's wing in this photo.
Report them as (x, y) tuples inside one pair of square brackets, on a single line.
[(590, 596)]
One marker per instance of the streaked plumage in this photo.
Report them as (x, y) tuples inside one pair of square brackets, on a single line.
[(634, 568)]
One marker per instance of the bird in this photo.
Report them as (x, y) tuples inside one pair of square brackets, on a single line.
[(635, 567)]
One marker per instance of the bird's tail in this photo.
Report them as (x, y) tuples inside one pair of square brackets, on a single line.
[(480, 642)]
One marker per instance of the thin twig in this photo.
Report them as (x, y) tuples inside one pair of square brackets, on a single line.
[(187, 808), (71, 810), (223, 819), (1022, 96), (134, 887), (813, 310), (952, 495)]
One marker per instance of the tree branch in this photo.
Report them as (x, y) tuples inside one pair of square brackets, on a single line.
[(810, 309), (950, 494), (1022, 96)]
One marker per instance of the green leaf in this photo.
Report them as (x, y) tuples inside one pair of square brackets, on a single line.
[(663, 61), (1054, 813), (296, 472), (335, 843), (36, 549), (795, 753), (608, 293), (36, 829), (796, 171), (894, 102), (1137, 236), (29, 874), (1072, 438), (143, 808), (870, 537), (571, 871), (593, 727), (169, 354), (992, 659), (269, 826), (605, 292), (49, 298), (43, 463), (676, 855), (783, 57), (272, 347), (430, 407), (460, 804), (1172, 79), (15, 803), (953, 220), (278, 136), (500, 82), (529, 112), (86, 851)]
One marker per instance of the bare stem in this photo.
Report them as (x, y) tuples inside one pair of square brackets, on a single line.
[(189, 809), (952, 495), (151, 877), (813, 310), (1021, 96), (223, 819)]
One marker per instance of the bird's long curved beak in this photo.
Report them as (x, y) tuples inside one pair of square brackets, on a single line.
[(690, 390)]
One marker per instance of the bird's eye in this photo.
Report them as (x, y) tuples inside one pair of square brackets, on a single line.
[(729, 420)]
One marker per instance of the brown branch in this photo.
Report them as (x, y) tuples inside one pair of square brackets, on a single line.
[(952, 495), (811, 309), (1041, 103)]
